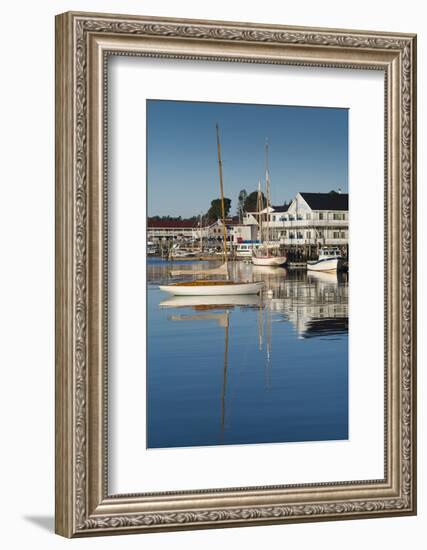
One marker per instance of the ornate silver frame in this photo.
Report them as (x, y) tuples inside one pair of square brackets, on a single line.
[(83, 42)]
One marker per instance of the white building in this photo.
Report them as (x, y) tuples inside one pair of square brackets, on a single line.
[(240, 232), (310, 219), (186, 230), (236, 232), (176, 230)]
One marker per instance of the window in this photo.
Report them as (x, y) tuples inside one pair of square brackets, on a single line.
[(338, 216), (308, 234), (320, 215), (308, 216)]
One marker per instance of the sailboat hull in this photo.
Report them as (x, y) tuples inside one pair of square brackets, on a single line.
[(270, 261), (216, 289)]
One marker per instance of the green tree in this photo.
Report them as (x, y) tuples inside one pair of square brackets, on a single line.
[(241, 204), (251, 200), (215, 213)]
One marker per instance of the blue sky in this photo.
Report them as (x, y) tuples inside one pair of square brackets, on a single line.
[(308, 152)]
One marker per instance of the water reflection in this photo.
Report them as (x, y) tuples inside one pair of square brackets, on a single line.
[(271, 389), (315, 303)]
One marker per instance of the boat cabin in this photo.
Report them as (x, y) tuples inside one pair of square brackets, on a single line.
[(246, 248), (329, 252)]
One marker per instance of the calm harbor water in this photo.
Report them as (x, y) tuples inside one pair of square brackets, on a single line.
[(247, 369)]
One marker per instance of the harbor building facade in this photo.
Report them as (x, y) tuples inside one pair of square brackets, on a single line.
[(174, 230), (302, 227), (311, 219)]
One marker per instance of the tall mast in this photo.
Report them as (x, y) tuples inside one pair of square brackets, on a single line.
[(224, 228), (201, 233), (259, 208), (267, 192)]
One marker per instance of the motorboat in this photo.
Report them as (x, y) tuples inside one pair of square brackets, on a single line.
[(177, 253), (330, 259), (246, 249), (151, 248)]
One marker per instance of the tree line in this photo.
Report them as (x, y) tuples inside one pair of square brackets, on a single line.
[(246, 202)]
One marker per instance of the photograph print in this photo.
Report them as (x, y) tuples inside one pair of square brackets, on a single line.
[(247, 251)]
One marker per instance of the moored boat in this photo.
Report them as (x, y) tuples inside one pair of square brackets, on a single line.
[(217, 287), (245, 249), (177, 253), (266, 255), (330, 259), (151, 248), (268, 260), (212, 288)]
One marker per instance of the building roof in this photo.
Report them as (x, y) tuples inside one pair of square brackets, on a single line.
[(280, 208), (171, 224), (188, 224), (326, 201)]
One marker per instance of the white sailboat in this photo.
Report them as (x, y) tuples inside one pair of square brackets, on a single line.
[(268, 261), (211, 287), (264, 256)]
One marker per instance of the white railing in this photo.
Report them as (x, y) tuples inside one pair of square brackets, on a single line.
[(320, 241), (157, 233), (309, 224)]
